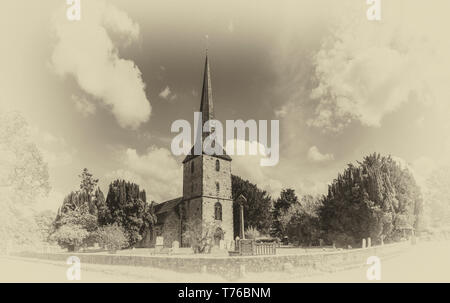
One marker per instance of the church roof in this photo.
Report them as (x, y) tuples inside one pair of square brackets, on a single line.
[(207, 110), (166, 206)]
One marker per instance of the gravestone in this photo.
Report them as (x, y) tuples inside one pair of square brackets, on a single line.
[(369, 242), (231, 246), (236, 243), (363, 243), (159, 243), (175, 246)]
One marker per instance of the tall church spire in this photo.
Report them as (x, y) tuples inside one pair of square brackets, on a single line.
[(206, 104), (206, 108)]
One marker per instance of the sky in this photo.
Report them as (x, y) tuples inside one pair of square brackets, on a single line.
[(102, 92)]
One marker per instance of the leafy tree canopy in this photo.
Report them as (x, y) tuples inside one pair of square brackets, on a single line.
[(257, 210), (287, 199), (376, 198)]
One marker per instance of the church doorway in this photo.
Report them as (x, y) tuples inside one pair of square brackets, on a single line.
[(218, 235)]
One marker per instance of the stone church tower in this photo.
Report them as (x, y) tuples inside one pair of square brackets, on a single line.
[(206, 200), (207, 180)]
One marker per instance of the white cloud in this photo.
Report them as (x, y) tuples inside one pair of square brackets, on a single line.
[(85, 50), (156, 171), (166, 93), (57, 158), (44, 137), (421, 168), (54, 149), (84, 106), (281, 112), (367, 70), (316, 156), (249, 167)]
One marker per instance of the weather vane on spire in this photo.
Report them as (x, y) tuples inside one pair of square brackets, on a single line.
[(207, 43)]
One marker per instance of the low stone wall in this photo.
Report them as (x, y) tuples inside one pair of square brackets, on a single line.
[(233, 267)]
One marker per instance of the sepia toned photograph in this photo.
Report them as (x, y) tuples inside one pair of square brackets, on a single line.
[(217, 142)]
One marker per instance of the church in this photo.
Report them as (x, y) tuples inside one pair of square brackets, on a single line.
[(206, 190)]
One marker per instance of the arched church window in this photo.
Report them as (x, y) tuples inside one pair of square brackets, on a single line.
[(217, 165), (218, 211), (217, 187), (192, 167)]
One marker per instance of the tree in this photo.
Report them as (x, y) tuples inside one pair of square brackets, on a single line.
[(437, 196), (24, 173), (84, 227), (44, 221), (80, 209), (287, 199), (301, 221), (89, 196), (297, 220), (24, 179), (252, 233), (99, 203), (126, 206), (70, 236), (111, 237), (88, 182), (200, 235), (368, 200), (257, 210)]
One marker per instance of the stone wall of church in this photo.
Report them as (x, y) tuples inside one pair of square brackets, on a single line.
[(203, 187), (192, 211), (148, 239), (226, 224), (217, 188), (192, 179), (211, 177), (171, 229)]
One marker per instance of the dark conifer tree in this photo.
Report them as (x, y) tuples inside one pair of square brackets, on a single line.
[(377, 199), (126, 206)]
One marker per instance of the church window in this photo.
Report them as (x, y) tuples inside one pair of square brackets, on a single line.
[(217, 165), (218, 211), (192, 167), (217, 187)]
